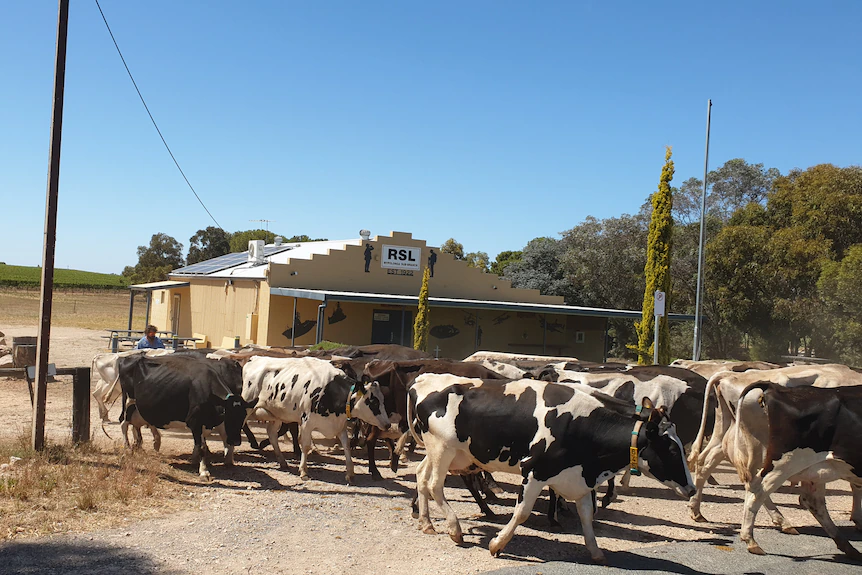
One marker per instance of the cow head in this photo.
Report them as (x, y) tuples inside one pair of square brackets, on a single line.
[(236, 410), (661, 452), (366, 403)]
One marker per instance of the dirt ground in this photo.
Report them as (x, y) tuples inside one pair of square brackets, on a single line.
[(256, 516)]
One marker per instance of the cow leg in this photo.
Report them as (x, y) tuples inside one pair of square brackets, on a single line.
[(272, 432), (370, 445), (199, 455), (435, 476), (306, 445), (704, 466), (470, 480), (530, 491), (586, 508), (228, 448), (609, 495), (294, 435), (252, 440), (625, 479), (552, 509), (813, 498), (157, 437), (489, 487), (778, 519), (856, 511), (423, 495), (393, 456), (124, 429), (348, 461)]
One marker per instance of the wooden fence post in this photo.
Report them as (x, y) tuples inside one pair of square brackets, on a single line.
[(81, 405)]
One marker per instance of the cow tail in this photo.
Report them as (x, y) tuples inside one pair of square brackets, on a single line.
[(411, 422), (701, 432)]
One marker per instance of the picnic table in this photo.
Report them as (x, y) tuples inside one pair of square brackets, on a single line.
[(132, 336)]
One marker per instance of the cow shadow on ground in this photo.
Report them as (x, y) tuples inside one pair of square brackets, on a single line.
[(59, 557), (528, 547), (848, 531)]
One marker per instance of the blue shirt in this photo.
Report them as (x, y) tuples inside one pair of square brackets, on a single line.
[(144, 343)]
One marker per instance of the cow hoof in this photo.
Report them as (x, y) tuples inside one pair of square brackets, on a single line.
[(494, 547), (698, 517), (304, 477), (429, 530), (599, 559), (712, 480), (414, 514), (790, 530), (755, 549), (349, 479), (458, 538), (376, 477)]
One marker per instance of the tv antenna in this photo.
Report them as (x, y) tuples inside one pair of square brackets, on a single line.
[(267, 222)]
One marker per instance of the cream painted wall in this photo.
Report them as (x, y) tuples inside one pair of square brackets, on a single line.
[(219, 310), (344, 270)]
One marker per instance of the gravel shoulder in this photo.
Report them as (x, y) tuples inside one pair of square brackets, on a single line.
[(258, 517)]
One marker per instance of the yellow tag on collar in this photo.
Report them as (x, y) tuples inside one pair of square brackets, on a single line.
[(633, 461)]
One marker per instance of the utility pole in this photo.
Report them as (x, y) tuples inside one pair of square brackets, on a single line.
[(267, 222), (50, 240), (698, 319)]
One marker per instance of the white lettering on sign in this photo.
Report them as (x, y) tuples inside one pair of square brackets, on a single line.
[(659, 303), (381, 317), (400, 257)]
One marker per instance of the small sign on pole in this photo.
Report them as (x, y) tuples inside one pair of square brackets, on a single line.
[(658, 310)]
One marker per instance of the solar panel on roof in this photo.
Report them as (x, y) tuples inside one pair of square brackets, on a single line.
[(226, 261)]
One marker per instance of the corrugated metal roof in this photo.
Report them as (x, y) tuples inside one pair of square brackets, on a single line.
[(362, 297), (167, 284), (290, 251)]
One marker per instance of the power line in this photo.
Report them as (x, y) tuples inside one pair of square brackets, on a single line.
[(135, 84)]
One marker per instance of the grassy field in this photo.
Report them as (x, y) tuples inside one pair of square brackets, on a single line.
[(100, 309), (31, 277)]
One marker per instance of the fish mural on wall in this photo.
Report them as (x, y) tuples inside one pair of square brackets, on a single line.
[(501, 318), (337, 315), (554, 326), (302, 327), (444, 331)]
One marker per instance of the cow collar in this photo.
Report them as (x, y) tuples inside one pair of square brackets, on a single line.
[(349, 405), (633, 449)]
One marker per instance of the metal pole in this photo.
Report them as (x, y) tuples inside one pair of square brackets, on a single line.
[(698, 320), (544, 333), (131, 308), (655, 340), (149, 305), (293, 326), (44, 339)]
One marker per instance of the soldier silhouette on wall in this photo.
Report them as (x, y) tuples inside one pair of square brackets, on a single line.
[(368, 250), (432, 259)]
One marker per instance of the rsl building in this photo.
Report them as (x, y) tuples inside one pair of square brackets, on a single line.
[(364, 291)]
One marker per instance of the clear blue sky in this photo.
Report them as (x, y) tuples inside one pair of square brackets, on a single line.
[(492, 122)]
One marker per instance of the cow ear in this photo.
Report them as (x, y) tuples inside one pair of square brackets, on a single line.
[(647, 404), (250, 404)]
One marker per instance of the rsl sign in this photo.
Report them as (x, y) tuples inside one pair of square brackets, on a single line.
[(400, 257)]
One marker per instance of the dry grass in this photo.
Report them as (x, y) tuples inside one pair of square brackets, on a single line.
[(67, 488), (102, 309)]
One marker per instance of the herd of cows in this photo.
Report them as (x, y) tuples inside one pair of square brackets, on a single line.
[(567, 425)]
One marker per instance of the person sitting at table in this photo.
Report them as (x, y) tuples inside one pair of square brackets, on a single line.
[(150, 341)]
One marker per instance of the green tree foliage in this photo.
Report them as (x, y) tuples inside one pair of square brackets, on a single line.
[(208, 243), (840, 287), (824, 201), (657, 269), (157, 260), (422, 324), (450, 246), (239, 240), (477, 260), (539, 268), (504, 259)]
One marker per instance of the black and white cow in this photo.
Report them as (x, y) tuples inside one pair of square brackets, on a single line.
[(313, 393), (814, 436), (185, 389), (551, 434)]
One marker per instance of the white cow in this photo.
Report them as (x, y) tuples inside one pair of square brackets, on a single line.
[(313, 393)]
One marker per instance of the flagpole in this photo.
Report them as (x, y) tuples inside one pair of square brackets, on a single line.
[(698, 318)]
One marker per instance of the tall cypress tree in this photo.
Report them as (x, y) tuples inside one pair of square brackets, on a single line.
[(422, 324), (657, 269)]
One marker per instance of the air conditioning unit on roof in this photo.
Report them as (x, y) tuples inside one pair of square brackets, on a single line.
[(255, 252)]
